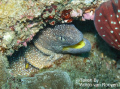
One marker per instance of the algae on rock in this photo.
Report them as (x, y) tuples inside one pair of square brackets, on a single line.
[(56, 79)]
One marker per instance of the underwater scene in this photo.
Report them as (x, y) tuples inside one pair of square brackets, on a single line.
[(59, 44)]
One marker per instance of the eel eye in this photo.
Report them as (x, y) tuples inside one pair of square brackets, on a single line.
[(61, 38)]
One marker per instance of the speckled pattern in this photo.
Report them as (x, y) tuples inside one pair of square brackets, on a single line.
[(49, 45), (39, 59), (18, 68), (56, 38), (23, 17)]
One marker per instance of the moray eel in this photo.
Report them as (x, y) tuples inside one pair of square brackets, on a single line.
[(50, 44), (63, 38)]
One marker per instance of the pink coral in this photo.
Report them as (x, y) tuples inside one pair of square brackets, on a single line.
[(24, 44), (88, 16), (76, 13)]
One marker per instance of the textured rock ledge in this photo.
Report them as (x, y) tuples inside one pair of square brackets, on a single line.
[(21, 20)]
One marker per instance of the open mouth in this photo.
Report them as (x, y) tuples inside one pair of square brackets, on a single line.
[(79, 45)]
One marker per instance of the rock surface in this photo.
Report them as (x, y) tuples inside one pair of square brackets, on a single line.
[(49, 80)]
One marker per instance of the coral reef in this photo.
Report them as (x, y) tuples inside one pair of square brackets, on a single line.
[(50, 43), (15, 26), (107, 22), (99, 63), (20, 20), (25, 18)]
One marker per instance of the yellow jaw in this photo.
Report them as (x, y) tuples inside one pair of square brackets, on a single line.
[(76, 46)]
